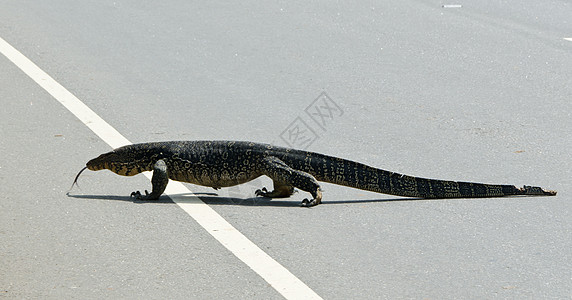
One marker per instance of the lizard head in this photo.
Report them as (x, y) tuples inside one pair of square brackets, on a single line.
[(126, 161), (110, 160)]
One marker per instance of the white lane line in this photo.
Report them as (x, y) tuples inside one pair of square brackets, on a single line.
[(270, 270), (568, 39), (107, 133)]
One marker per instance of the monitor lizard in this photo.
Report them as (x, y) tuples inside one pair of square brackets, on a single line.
[(227, 163)]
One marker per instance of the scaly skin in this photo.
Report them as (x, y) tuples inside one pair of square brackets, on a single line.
[(226, 163)]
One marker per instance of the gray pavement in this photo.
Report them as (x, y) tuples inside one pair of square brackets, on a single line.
[(477, 93)]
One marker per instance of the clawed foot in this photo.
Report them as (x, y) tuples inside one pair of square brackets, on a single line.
[(282, 191), (147, 196), (287, 192), (262, 192), (138, 195), (308, 203), (317, 199)]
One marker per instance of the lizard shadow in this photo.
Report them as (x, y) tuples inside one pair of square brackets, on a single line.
[(261, 201), (208, 198), (282, 202), (162, 200), (215, 199), (251, 201)]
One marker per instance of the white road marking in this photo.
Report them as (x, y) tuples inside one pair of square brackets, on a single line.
[(270, 270), (568, 39), (107, 133)]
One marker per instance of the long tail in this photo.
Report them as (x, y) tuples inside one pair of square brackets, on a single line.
[(353, 174)]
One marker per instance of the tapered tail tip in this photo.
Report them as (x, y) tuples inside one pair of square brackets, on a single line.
[(536, 191)]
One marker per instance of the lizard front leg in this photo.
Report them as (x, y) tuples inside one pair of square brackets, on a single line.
[(159, 182)]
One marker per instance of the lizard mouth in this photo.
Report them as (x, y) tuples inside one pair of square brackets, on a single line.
[(100, 162), (95, 167)]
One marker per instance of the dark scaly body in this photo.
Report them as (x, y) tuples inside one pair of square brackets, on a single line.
[(226, 163)]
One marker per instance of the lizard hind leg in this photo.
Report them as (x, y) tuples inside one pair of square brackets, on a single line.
[(285, 179)]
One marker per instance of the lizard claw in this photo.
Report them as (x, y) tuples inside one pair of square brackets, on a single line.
[(138, 195), (317, 199), (307, 203), (261, 192)]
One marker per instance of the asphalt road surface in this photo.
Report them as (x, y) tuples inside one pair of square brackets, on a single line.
[(467, 91)]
